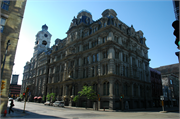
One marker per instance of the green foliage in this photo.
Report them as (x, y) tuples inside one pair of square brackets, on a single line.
[(76, 98), (44, 98), (21, 96), (48, 97), (53, 97), (88, 92)]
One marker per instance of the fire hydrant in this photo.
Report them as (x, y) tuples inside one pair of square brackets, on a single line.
[(5, 112)]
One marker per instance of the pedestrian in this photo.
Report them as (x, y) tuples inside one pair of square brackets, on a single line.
[(11, 105)]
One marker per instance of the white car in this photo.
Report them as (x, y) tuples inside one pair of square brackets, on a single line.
[(10, 99), (59, 103)]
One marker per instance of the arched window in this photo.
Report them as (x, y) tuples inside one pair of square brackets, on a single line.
[(135, 90), (106, 88), (116, 89), (44, 42), (125, 89), (95, 87)]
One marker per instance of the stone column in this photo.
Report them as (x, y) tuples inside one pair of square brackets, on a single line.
[(111, 98), (111, 65), (80, 74)]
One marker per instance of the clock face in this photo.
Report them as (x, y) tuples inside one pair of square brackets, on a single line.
[(45, 35)]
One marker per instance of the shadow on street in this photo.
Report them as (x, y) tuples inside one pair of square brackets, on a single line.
[(19, 113)]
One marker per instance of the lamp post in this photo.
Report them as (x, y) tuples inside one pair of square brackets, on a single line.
[(8, 43)]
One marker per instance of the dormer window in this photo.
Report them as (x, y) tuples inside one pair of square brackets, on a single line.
[(141, 40), (45, 35)]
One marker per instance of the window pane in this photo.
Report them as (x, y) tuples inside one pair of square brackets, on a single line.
[(3, 21)]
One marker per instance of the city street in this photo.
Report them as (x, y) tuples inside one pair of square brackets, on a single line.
[(38, 110)]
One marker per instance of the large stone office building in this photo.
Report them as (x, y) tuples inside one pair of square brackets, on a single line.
[(12, 12), (106, 54)]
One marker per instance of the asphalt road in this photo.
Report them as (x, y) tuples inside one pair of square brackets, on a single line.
[(38, 110)]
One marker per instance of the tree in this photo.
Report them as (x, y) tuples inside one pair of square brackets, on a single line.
[(48, 97), (21, 96), (44, 98), (75, 99), (53, 98), (88, 92)]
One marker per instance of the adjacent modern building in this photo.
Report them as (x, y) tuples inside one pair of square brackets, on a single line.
[(14, 79), (11, 19), (105, 54), (156, 83), (170, 85), (14, 89), (169, 69)]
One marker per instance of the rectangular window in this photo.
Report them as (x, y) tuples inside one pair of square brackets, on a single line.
[(117, 55), (93, 58), (104, 39), (86, 72), (106, 69), (103, 69), (3, 21), (5, 4), (92, 71), (87, 60)]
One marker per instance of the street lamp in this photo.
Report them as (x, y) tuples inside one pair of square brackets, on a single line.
[(8, 43)]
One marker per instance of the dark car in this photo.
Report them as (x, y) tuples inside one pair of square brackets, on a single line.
[(58, 103), (18, 99)]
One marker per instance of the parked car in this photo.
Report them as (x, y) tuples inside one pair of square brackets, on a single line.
[(10, 99), (47, 103), (18, 99), (59, 103)]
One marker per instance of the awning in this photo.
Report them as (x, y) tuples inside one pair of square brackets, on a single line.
[(35, 97), (39, 97)]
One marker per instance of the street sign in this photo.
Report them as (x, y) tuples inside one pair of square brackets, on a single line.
[(161, 97)]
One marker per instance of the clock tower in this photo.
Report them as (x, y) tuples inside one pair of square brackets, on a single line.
[(42, 42)]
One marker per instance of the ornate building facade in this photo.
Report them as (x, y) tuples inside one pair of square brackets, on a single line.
[(105, 54)]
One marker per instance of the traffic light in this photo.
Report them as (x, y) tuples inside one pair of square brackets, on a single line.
[(27, 89), (121, 96), (2, 85), (175, 25)]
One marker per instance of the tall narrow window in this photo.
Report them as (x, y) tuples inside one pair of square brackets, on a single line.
[(88, 60), (93, 58), (92, 71), (5, 4), (3, 21)]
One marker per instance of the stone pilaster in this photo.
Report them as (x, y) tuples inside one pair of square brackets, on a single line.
[(111, 98)]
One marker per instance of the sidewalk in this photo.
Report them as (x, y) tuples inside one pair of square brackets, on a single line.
[(17, 114), (171, 109)]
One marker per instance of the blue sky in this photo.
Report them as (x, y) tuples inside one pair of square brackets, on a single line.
[(154, 18)]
